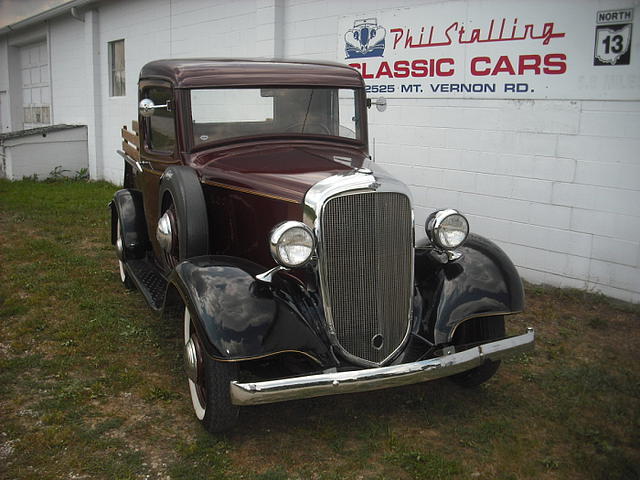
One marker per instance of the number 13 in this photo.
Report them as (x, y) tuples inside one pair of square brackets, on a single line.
[(613, 44)]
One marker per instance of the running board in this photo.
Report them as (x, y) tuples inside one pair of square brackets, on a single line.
[(148, 280)]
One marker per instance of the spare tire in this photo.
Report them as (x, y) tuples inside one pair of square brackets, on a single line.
[(182, 201)]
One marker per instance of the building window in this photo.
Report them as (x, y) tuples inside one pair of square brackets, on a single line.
[(116, 69), (36, 94)]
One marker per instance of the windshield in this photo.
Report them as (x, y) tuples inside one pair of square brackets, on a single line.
[(226, 113)]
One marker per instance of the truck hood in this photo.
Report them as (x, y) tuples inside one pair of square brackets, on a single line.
[(278, 170)]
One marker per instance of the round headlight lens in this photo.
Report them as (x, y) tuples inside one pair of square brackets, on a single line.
[(292, 244), (447, 228)]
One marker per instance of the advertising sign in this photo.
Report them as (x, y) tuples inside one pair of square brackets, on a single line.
[(497, 49)]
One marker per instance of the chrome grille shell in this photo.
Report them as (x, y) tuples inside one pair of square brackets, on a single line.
[(364, 226)]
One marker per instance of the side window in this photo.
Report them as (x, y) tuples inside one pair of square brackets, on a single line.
[(161, 133), (116, 69)]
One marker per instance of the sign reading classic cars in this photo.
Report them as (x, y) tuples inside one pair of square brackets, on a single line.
[(496, 49)]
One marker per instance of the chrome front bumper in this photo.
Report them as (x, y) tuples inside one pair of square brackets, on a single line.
[(255, 393)]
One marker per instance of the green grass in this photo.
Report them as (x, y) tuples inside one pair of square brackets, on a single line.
[(91, 384)]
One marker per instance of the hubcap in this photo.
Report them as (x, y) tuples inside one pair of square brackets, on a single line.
[(191, 360), (164, 232), (119, 242), (192, 357), (119, 248)]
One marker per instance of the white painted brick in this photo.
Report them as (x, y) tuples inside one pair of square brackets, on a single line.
[(614, 250), (421, 213), (615, 275), (430, 177), (515, 164), (550, 215), (599, 149), (326, 26), (551, 239), (415, 155), (495, 185), (623, 227), (610, 124), (605, 106), (498, 230), (445, 158), (441, 198), (484, 162), (486, 141), (534, 276), (419, 194), (597, 198), (547, 261), (575, 267), (554, 168), (453, 117), (530, 189), (609, 175), (385, 153), (504, 208), (403, 172), (542, 116), (459, 180), (536, 144)]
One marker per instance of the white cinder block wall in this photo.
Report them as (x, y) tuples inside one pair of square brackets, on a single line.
[(555, 183)]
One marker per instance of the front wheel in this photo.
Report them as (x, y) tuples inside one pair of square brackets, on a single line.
[(484, 329), (209, 381)]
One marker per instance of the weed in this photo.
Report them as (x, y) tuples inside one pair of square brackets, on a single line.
[(58, 173), (159, 393), (550, 463)]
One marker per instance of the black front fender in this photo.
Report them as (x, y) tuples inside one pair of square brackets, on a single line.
[(242, 318), (484, 282)]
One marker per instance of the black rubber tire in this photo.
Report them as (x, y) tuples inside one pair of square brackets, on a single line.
[(221, 415), (210, 395), (180, 187), (482, 329)]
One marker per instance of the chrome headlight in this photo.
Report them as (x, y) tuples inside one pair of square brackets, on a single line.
[(292, 244), (447, 228)]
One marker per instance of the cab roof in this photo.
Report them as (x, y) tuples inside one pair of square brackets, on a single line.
[(212, 72)]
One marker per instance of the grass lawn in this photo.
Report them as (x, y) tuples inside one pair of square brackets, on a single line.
[(91, 382)]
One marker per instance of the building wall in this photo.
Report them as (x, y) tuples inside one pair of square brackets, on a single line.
[(555, 182), (61, 152), (68, 72)]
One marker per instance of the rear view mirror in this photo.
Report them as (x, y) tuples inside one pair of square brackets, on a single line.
[(146, 107)]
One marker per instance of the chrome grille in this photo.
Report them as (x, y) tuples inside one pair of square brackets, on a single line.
[(366, 268)]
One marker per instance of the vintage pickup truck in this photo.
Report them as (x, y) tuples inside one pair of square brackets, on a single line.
[(252, 211)]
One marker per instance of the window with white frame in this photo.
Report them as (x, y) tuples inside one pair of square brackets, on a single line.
[(116, 69), (36, 93)]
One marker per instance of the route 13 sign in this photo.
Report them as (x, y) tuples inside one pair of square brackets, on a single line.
[(613, 37)]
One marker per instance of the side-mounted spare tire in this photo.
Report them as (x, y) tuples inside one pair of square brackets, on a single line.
[(182, 207)]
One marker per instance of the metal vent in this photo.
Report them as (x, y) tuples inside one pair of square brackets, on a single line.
[(366, 269)]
